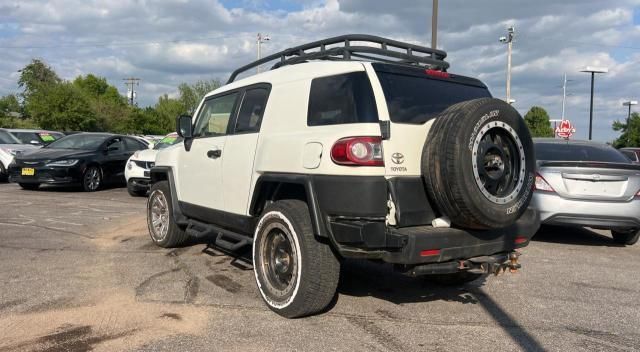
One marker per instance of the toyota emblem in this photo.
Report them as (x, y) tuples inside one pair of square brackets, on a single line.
[(397, 158)]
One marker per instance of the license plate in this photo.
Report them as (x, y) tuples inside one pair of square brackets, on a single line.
[(27, 171)]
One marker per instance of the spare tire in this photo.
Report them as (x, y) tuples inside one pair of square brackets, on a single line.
[(478, 164)]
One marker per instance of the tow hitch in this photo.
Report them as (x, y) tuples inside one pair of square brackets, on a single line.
[(488, 264)]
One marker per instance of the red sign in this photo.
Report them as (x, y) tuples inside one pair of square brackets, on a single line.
[(565, 129)]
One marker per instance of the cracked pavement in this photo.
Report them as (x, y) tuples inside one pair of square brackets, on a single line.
[(79, 273)]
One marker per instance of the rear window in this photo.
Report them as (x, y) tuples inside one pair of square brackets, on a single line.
[(578, 152), (630, 154), (415, 100), (346, 98)]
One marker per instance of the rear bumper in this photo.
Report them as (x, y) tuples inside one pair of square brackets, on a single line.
[(555, 210), (426, 244)]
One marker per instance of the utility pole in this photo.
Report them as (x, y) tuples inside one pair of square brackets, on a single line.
[(130, 82), (593, 70), (434, 25), (262, 38), (564, 93), (511, 33)]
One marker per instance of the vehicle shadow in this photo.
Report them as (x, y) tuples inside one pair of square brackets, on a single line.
[(73, 188), (364, 278), (573, 235)]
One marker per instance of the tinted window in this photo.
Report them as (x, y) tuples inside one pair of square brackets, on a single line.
[(117, 145), (341, 99), (630, 154), (7, 138), (578, 152), (414, 99), (133, 144), (214, 116), (251, 110), (79, 141), (27, 137)]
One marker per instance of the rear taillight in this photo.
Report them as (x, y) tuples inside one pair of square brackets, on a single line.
[(542, 185), (638, 194), (358, 151), (436, 73)]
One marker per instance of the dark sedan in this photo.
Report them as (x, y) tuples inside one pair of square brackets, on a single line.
[(88, 159)]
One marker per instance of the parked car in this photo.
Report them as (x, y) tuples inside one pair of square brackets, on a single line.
[(141, 162), (10, 146), (587, 184), (632, 153), (327, 157), (88, 159), (36, 137)]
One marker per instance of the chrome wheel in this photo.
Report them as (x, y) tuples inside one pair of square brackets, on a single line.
[(498, 162), (278, 259), (158, 215), (92, 179)]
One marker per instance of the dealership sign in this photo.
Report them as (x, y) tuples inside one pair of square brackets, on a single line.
[(565, 129)]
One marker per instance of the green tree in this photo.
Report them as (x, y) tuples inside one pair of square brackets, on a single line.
[(108, 106), (9, 108), (8, 104), (192, 94), (36, 75), (630, 136), (537, 120), (62, 106)]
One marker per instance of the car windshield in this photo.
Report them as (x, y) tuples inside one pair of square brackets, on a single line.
[(7, 138), (79, 141), (578, 152), (167, 141), (415, 100)]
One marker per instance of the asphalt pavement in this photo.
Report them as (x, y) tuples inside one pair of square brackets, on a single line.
[(78, 272)]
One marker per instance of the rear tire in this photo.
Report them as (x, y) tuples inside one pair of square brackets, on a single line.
[(296, 275), (29, 186), (163, 229), (628, 238), (478, 164), (459, 278)]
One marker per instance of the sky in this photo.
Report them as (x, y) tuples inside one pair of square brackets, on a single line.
[(166, 42)]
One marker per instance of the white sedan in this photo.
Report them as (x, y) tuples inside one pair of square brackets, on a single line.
[(140, 164)]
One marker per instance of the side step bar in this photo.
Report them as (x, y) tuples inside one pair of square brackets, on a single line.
[(226, 239)]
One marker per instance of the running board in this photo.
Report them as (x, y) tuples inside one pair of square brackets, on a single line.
[(225, 239)]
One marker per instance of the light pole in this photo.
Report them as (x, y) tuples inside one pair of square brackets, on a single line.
[(511, 33), (434, 25), (629, 104), (262, 38), (593, 70)]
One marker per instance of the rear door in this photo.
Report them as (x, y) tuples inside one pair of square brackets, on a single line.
[(240, 148)]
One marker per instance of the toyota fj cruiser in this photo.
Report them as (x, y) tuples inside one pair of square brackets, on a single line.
[(351, 147)]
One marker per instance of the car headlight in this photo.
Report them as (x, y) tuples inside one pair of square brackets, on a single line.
[(67, 162)]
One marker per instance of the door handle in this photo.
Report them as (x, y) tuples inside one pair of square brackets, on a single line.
[(214, 154)]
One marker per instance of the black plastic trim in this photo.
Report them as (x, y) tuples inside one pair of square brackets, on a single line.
[(411, 201), (159, 173), (604, 222), (234, 222)]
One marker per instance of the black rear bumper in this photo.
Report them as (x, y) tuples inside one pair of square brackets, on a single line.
[(426, 244)]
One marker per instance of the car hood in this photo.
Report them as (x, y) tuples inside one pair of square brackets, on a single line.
[(145, 155), (53, 154)]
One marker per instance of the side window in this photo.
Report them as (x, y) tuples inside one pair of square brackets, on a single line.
[(214, 116), (133, 145), (116, 143), (346, 98), (251, 110)]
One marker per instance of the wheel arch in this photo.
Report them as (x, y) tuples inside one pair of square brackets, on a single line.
[(273, 187), (165, 173)]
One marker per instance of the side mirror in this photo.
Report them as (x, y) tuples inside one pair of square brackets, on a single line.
[(34, 142), (184, 127)]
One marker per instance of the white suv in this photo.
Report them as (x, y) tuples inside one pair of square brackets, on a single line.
[(326, 157)]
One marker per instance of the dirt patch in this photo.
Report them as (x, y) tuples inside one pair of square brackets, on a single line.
[(114, 322), (122, 231)]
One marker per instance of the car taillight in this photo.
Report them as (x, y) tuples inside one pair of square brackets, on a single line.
[(436, 73), (358, 151), (542, 185), (638, 194)]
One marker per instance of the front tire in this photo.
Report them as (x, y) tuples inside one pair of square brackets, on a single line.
[(629, 237), (296, 275), (29, 186), (163, 229), (92, 179), (3, 173)]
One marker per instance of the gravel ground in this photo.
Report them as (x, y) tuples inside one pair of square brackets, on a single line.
[(79, 273)]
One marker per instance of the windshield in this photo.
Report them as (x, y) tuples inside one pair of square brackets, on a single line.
[(578, 152), (415, 100), (7, 138), (167, 141), (79, 141)]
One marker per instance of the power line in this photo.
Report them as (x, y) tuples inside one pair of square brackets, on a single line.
[(130, 82)]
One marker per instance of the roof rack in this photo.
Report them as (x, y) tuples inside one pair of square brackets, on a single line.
[(404, 53)]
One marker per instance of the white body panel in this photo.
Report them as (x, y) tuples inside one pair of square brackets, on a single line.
[(198, 177)]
